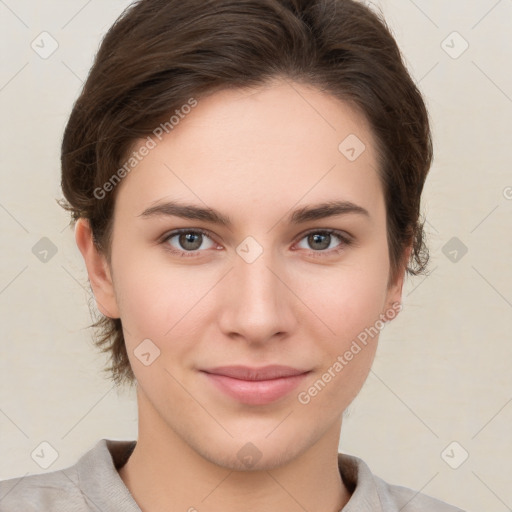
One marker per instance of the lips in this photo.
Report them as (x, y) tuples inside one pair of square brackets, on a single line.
[(255, 386), (248, 373)]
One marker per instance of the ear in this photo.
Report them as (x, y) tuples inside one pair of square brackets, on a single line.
[(395, 288), (98, 270)]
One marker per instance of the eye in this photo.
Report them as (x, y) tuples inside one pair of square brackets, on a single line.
[(322, 240), (188, 241)]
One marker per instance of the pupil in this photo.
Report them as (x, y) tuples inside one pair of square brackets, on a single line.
[(316, 238), (189, 238)]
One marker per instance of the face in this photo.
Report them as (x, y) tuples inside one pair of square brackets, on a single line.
[(269, 286)]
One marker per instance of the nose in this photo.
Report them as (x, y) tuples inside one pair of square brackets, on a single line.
[(257, 305)]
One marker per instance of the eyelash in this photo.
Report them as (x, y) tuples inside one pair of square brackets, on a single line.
[(345, 242)]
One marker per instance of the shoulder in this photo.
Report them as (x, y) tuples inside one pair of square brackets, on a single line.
[(370, 492), (396, 497), (57, 491), (91, 484)]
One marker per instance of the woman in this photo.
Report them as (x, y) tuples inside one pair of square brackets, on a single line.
[(245, 179)]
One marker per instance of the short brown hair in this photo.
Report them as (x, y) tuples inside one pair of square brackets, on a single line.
[(160, 53)]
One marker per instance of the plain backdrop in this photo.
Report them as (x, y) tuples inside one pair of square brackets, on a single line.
[(436, 411)]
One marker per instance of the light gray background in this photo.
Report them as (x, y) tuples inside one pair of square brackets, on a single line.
[(442, 371)]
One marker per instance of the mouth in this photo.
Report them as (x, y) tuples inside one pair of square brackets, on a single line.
[(255, 386)]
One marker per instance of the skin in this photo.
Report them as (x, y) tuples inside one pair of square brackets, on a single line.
[(254, 155)]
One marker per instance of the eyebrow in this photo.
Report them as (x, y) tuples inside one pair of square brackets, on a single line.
[(298, 216)]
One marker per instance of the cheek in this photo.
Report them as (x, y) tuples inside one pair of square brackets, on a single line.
[(146, 294), (339, 381), (161, 302), (347, 350), (345, 299), (348, 303)]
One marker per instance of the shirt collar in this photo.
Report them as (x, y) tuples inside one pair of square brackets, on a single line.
[(102, 486)]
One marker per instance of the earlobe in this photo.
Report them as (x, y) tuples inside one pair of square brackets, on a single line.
[(394, 295), (97, 269), (393, 300)]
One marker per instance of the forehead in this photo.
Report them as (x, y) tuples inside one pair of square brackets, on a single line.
[(278, 144)]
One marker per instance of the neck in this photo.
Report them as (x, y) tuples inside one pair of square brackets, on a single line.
[(165, 473)]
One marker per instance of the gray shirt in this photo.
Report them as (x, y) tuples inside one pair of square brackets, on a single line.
[(93, 484)]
